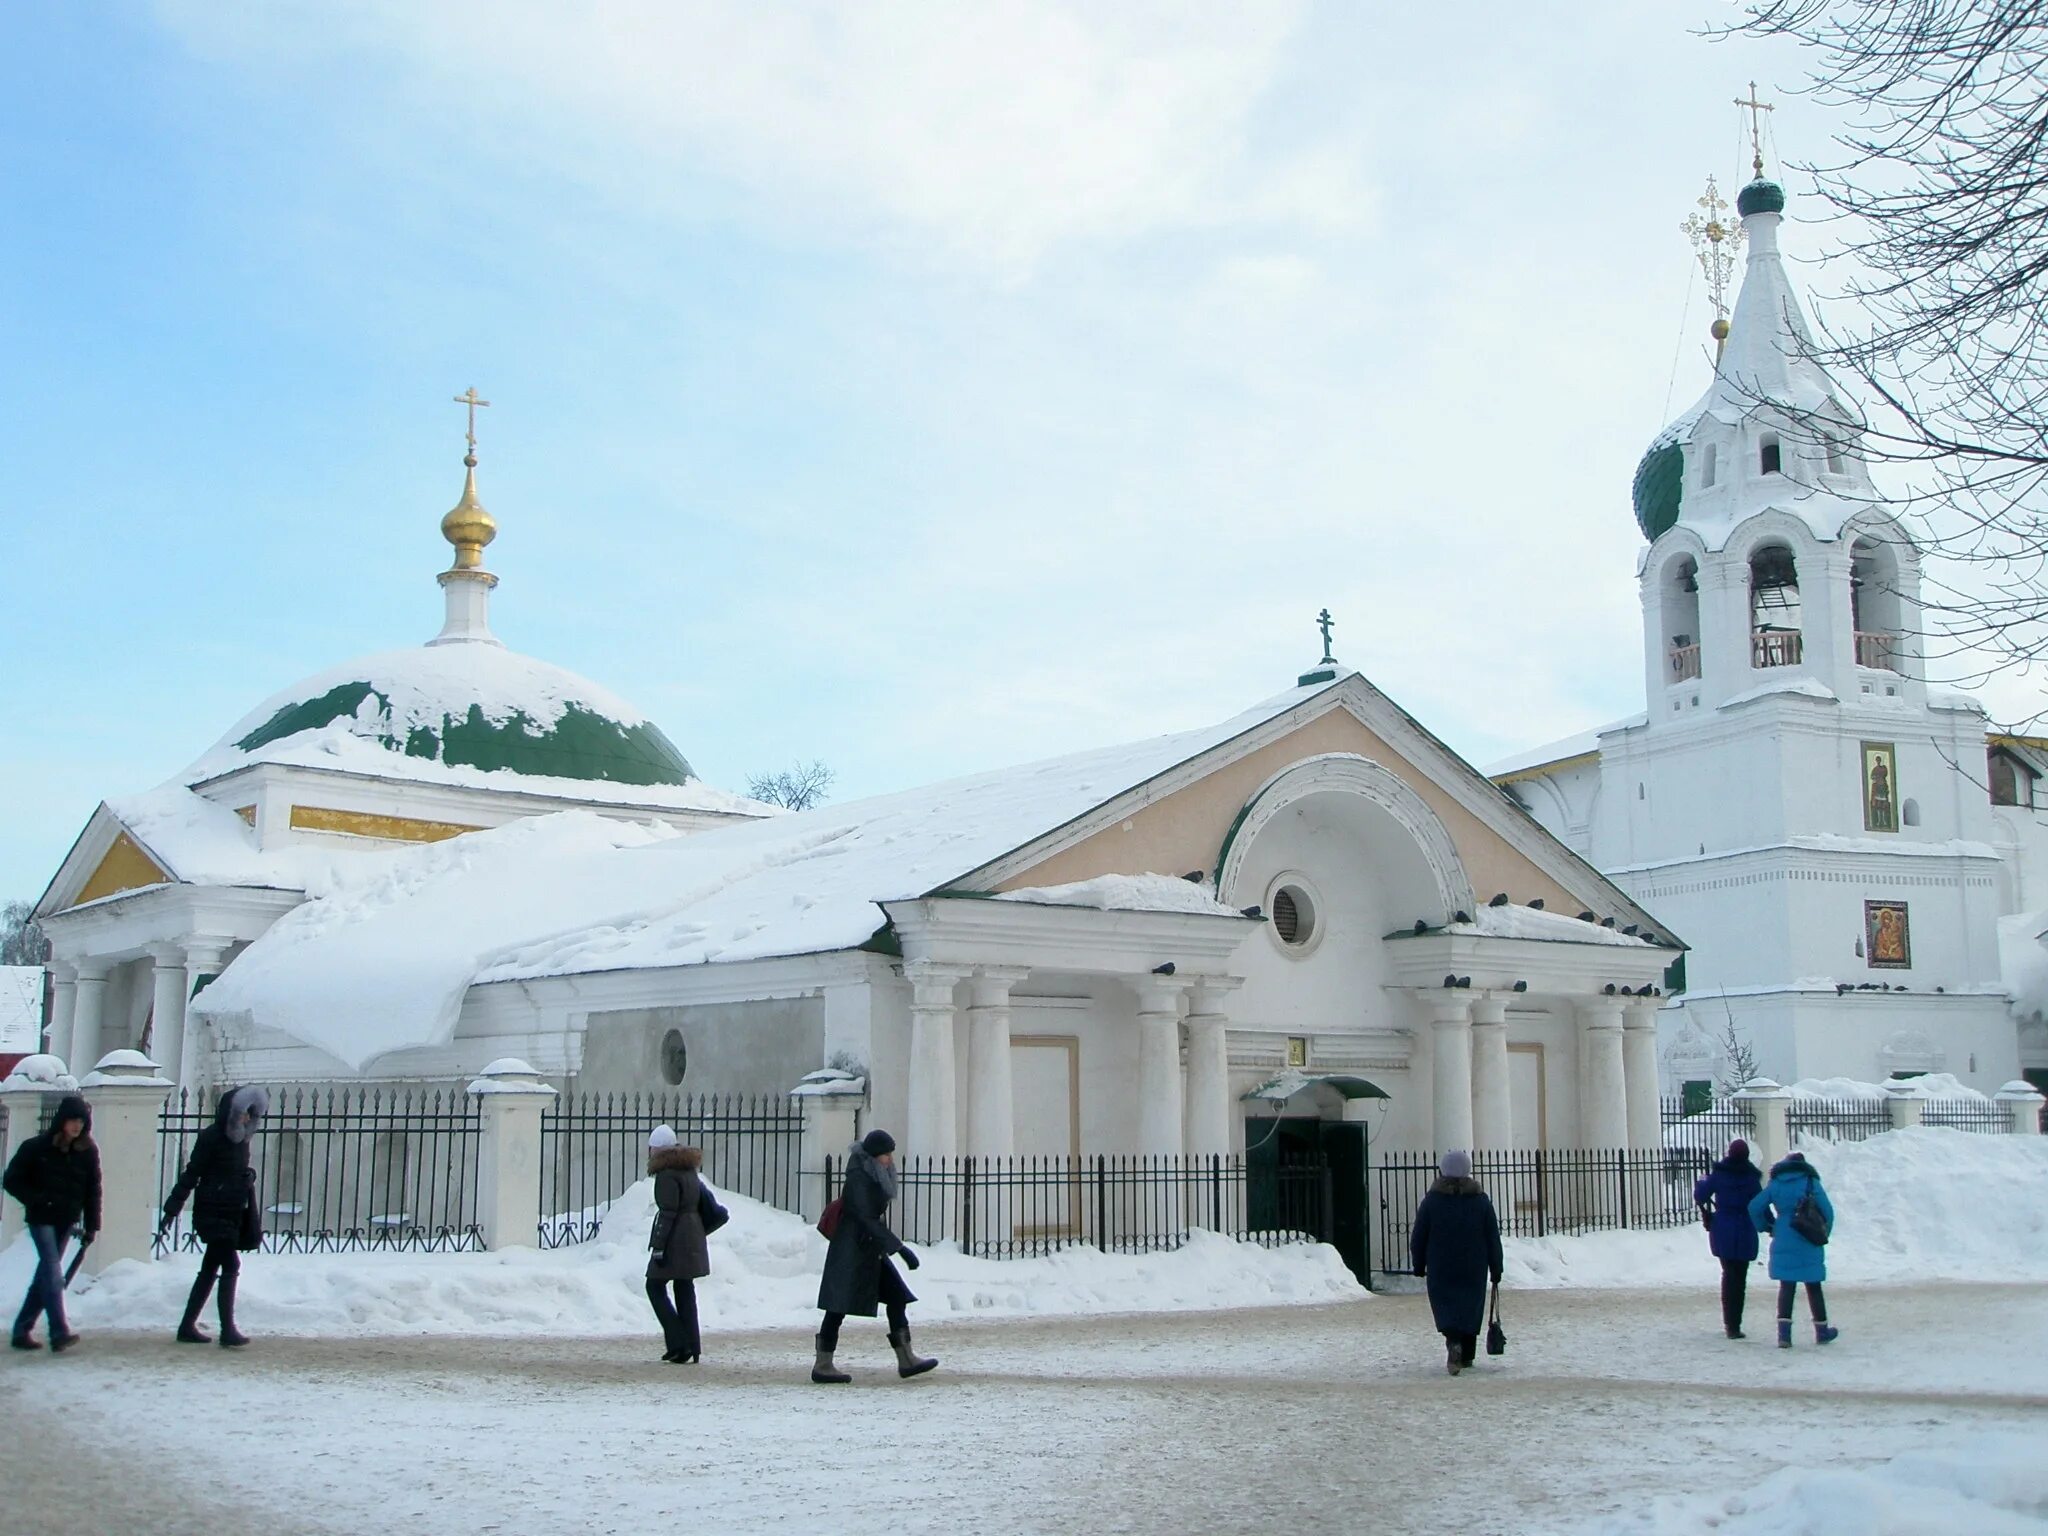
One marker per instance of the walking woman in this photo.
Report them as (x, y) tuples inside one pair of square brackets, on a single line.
[(56, 1177), (678, 1247), (1455, 1246), (225, 1215), (1796, 1259), (858, 1274), (1723, 1197)]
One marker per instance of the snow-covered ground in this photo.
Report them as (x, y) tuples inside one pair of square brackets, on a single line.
[(519, 1393)]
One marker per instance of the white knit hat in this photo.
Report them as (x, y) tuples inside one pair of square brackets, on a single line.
[(662, 1136)]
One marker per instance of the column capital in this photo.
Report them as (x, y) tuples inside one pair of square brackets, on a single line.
[(1490, 1008), (92, 970), (1447, 1005), (1158, 994), (1598, 1012), (1641, 1015), (989, 986), (63, 973), (931, 983), (167, 953), (202, 951), (1206, 993)]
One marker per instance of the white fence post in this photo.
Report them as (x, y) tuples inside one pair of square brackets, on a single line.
[(1767, 1103), (33, 1080), (2023, 1103), (127, 1093), (510, 1097), (830, 1100), (1906, 1105)]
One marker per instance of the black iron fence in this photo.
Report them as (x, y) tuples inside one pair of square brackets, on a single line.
[(1984, 1116), (340, 1169), (1026, 1207), (1542, 1193), (1698, 1139), (1836, 1119), (594, 1148)]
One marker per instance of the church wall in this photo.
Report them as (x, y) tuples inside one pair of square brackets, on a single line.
[(1185, 831), (749, 1047), (1868, 1037)]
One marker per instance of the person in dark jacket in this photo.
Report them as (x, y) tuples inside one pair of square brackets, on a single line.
[(1795, 1261), (225, 1215), (678, 1249), (56, 1177), (858, 1274), (1723, 1197), (1455, 1246)]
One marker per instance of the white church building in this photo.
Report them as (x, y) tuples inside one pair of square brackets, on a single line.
[(411, 865), (1816, 819)]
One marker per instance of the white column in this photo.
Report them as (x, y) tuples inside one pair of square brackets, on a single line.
[(202, 959), (930, 1125), (1160, 1093), (990, 1102), (1603, 1089), (86, 1012), (831, 1109), (510, 1097), (167, 1007), (127, 1098), (1770, 1138), (1639, 1074), (1907, 1108), (2023, 1103), (63, 1001), (1451, 1046), (1493, 1126), (1208, 1105)]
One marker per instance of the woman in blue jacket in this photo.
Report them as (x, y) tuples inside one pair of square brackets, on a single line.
[(1794, 1260), (1723, 1197)]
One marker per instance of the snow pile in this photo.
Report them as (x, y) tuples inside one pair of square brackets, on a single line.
[(1127, 893), (1929, 1085), (1990, 1484), (1913, 1205), (1509, 921), (764, 1274)]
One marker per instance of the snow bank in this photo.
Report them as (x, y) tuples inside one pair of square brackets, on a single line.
[(1989, 1484), (1931, 1085), (764, 1274), (1127, 893), (2023, 962), (1516, 922), (1914, 1205)]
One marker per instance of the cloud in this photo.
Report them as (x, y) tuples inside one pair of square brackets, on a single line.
[(986, 135)]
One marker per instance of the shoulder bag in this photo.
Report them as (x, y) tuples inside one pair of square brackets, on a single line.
[(709, 1211), (828, 1218), (1807, 1219), (1496, 1336)]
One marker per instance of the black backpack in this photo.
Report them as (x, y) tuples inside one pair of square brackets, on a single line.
[(1807, 1218)]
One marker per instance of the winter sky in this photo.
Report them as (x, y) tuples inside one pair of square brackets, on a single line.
[(916, 387)]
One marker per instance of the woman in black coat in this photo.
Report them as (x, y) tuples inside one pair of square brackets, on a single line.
[(225, 1215), (678, 1247), (1455, 1246), (56, 1177), (858, 1275)]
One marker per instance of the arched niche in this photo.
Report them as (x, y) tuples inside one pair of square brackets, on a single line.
[(1775, 638)]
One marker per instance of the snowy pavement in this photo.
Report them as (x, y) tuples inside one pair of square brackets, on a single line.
[(1614, 1411)]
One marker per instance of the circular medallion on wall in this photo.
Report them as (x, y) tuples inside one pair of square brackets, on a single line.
[(675, 1057)]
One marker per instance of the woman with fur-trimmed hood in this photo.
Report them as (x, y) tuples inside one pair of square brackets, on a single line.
[(678, 1246), (225, 1214), (1455, 1246)]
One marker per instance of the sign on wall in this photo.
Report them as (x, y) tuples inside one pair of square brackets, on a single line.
[(1887, 940), (1880, 787)]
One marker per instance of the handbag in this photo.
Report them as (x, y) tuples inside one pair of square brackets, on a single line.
[(250, 1237), (1496, 1336), (828, 1218), (1808, 1220), (709, 1211)]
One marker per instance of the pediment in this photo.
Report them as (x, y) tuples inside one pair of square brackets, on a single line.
[(106, 860)]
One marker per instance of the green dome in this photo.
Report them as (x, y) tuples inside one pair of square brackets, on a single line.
[(1760, 196), (1660, 481), (464, 706)]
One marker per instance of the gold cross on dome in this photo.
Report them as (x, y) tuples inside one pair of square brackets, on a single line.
[(472, 400), (1756, 110)]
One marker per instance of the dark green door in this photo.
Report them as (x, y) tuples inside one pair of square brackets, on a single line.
[(1343, 1148)]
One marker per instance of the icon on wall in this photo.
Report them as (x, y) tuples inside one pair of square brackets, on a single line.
[(1297, 1051), (1887, 938), (1880, 787)]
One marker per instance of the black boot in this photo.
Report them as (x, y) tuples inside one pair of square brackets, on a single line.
[(231, 1337), (189, 1331), (823, 1371), (908, 1361)]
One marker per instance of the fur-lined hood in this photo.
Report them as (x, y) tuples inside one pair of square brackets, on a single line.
[(1450, 1186), (675, 1160)]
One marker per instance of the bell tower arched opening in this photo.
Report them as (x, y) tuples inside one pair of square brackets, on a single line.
[(1877, 613), (1681, 608), (1774, 613)]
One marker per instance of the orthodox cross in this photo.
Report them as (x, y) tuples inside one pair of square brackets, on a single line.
[(1756, 124), (1325, 623), (471, 400), (1715, 241)]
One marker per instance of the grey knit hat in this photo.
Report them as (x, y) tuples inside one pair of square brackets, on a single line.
[(1456, 1165)]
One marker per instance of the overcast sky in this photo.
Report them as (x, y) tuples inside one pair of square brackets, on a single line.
[(921, 388)]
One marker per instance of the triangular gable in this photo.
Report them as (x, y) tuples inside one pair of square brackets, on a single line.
[(106, 860), (1181, 820)]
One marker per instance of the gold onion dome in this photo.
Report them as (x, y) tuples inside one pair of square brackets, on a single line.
[(1719, 329), (468, 526)]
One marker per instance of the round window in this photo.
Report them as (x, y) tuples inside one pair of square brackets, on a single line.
[(675, 1057), (1294, 916)]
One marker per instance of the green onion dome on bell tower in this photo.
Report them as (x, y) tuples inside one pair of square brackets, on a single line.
[(1761, 196)]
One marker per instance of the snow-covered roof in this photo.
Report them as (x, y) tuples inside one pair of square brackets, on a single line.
[(381, 959), (21, 1008), (1127, 893), (473, 715), (1512, 921)]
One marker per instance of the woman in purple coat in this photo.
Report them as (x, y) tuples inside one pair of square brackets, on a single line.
[(1723, 1197)]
